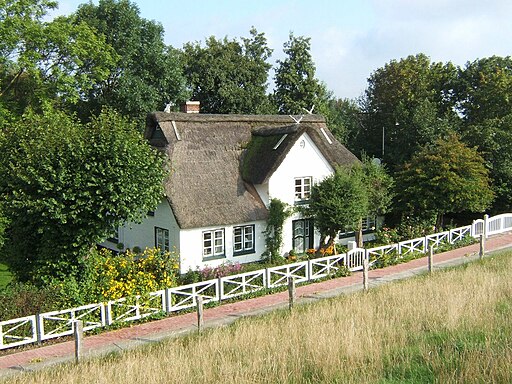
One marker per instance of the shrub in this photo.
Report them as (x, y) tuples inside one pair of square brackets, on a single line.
[(112, 276), (18, 300)]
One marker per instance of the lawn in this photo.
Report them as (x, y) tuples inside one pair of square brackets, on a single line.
[(451, 327), (5, 276)]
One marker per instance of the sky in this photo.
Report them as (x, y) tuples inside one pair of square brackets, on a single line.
[(350, 39)]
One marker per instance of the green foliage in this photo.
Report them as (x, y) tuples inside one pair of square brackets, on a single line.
[(296, 87), (484, 93), (66, 185), (448, 177), (484, 88), (415, 93), (5, 276), (55, 61), (342, 200), (343, 119), (109, 276), (339, 202), (228, 76), (278, 212), (146, 73), (379, 186), (19, 300)]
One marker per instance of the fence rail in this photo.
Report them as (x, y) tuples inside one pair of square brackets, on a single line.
[(44, 326)]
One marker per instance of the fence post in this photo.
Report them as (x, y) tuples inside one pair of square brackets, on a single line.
[(291, 292), (78, 331), (430, 259), (108, 313), (486, 223), (365, 274), (221, 288), (39, 328), (200, 321), (167, 299), (482, 246)]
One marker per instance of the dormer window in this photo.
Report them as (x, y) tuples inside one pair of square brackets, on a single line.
[(303, 188)]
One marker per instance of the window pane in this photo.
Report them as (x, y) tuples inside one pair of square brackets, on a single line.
[(249, 239), (298, 244), (219, 242), (207, 243)]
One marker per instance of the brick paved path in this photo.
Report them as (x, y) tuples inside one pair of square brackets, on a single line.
[(175, 325)]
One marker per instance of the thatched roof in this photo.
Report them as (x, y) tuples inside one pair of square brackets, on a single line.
[(216, 159)]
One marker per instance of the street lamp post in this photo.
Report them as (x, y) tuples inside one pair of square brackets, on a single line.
[(383, 136)]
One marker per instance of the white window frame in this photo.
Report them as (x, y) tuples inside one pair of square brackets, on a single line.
[(162, 239), (303, 188), (243, 239), (214, 244)]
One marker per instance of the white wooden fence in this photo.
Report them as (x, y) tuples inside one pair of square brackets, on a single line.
[(44, 326)]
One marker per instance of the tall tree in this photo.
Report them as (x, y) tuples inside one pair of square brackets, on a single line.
[(446, 177), (296, 88), (146, 75), (343, 117), (407, 105), (65, 186), (484, 94), (40, 62), (229, 76)]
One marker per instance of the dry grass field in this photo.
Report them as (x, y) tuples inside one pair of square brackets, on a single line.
[(452, 327)]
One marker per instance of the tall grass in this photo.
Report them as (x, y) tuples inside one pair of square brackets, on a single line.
[(453, 327)]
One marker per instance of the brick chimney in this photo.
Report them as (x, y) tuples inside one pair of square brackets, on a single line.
[(190, 107)]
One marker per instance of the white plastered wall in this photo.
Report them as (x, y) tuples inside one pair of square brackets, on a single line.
[(191, 254), (303, 160), (143, 235)]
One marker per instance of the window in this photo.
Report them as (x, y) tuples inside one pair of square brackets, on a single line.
[(243, 240), (302, 235), (114, 238), (369, 224), (162, 238), (213, 243), (303, 188)]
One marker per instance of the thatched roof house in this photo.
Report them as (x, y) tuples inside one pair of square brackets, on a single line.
[(224, 169), (216, 160)]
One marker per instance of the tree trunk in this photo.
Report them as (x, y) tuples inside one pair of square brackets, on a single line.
[(439, 222), (359, 234)]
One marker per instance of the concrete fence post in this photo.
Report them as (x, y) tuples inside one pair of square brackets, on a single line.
[(365, 274), (200, 320), (430, 259), (291, 292), (481, 254), (78, 331), (39, 328), (486, 226)]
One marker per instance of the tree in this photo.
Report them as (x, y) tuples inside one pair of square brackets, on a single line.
[(65, 186), (338, 202), (341, 201), (447, 177), (379, 189), (296, 88), (484, 89), (228, 76), (43, 62), (146, 75), (484, 96), (343, 119), (408, 104)]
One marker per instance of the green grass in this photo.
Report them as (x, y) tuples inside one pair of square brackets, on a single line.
[(5, 276)]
